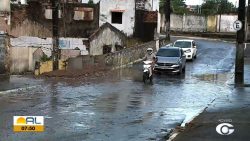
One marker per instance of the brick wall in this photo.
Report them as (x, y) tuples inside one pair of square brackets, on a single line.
[(30, 20)]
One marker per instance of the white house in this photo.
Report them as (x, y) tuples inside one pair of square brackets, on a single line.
[(121, 13)]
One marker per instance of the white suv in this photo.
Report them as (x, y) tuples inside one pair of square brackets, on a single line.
[(188, 46)]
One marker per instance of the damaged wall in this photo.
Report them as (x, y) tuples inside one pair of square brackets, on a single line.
[(226, 23), (107, 35), (26, 50), (46, 43), (114, 60), (21, 59), (3, 55), (30, 28), (194, 23), (5, 5), (146, 24), (34, 20), (4, 23)]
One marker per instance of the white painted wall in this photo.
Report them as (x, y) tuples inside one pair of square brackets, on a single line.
[(176, 22), (152, 5), (193, 23), (128, 19), (23, 1), (21, 59), (5, 5), (226, 24), (46, 44), (86, 1)]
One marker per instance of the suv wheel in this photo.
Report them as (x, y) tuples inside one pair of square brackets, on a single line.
[(184, 69)]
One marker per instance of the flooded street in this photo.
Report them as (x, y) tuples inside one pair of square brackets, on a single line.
[(119, 107)]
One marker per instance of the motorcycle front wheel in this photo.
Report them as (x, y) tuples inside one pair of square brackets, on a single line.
[(145, 77)]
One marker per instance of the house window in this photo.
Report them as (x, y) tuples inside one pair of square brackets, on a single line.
[(85, 14), (117, 17)]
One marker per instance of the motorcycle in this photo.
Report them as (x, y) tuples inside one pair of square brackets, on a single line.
[(146, 71)]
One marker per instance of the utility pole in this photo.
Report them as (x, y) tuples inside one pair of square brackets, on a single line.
[(248, 23), (167, 19), (55, 36), (239, 65), (220, 11)]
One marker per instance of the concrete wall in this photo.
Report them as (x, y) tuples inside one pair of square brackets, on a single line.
[(176, 22), (24, 51), (46, 43), (30, 20), (211, 23), (194, 23), (187, 23), (128, 17), (30, 28), (4, 22), (127, 56), (115, 60), (5, 5), (69, 53), (106, 37), (2, 54), (226, 24), (48, 67), (21, 59)]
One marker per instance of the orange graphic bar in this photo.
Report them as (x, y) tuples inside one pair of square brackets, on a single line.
[(28, 128)]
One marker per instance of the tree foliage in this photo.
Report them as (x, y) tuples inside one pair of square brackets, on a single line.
[(211, 7), (90, 2), (177, 6)]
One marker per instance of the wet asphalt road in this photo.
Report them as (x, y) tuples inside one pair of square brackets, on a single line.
[(121, 107)]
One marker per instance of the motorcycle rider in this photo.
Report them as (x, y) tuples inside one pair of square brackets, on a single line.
[(150, 56)]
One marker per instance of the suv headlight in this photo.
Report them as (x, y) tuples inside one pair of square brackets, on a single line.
[(188, 51), (175, 66)]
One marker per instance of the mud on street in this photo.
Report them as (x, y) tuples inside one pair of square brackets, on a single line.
[(120, 106)]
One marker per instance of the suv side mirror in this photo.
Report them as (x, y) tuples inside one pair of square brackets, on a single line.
[(170, 44), (194, 46)]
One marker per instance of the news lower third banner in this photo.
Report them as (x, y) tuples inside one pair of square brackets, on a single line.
[(28, 123)]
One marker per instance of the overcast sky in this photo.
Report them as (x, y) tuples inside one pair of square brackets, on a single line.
[(188, 2)]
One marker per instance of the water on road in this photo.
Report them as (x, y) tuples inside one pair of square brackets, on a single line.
[(120, 107)]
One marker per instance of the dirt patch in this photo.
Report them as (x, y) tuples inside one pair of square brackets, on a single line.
[(90, 71)]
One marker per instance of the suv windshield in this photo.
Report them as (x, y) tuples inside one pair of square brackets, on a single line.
[(183, 44), (168, 53)]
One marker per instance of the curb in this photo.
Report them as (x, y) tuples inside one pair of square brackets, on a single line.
[(204, 38), (17, 90), (176, 132)]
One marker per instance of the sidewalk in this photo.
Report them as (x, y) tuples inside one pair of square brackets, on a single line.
[(233, 108), (247, 71), (17, 82)]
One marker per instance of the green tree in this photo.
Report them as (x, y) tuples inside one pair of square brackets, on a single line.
[(177, 6), (211, 7), (91, 2)]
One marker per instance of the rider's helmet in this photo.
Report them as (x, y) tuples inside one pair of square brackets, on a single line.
[(149, 50)]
